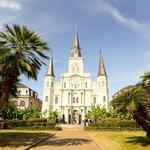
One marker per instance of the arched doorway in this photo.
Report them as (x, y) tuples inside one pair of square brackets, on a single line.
[(76, 117)]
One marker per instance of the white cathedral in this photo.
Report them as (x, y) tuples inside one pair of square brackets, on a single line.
[(75, 93)]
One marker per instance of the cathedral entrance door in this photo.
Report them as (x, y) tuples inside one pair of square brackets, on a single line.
[(76, 117)]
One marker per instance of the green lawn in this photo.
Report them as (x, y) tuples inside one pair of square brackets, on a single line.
[(121, 140), (14, 139)]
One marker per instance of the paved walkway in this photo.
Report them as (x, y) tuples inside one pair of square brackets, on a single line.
[(71, 138)]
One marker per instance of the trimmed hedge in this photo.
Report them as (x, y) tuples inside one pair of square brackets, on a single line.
[(56, 128), (30, 123), (16, 123), (37, 120), (113, 123)]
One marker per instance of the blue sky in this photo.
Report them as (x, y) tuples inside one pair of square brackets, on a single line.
[(120, 28)]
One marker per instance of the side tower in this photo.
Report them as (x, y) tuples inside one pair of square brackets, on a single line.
[(102, 83), (48, 92)]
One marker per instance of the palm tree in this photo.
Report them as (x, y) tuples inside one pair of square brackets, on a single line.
[(21, 52), (134, 101), (145, 84), (142, 113), (126, 101)]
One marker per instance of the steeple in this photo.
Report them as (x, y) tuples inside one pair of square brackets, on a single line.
[(75, 52), (101, 69), (50, 69)]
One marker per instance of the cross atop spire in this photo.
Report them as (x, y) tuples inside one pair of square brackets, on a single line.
[(50, 69), (76, 47), (101, 69)]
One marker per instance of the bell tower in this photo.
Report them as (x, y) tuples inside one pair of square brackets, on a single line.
[(75, 59), (48, 93)]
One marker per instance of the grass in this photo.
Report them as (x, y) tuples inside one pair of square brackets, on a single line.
[(121, 140), (14, 139)]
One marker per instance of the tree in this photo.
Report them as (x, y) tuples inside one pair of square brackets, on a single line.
[(52, 116), (136, 101), (97, 113), (142, 113), (21, 52), (10, 111), (30, 113), (126, 101)]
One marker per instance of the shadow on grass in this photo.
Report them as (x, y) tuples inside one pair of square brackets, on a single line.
[(66, 142), (26, 139), (17, 139), (144, 141)]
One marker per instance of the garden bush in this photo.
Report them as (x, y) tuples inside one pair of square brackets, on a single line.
[(113, 123), (36, 120), (56, 128), (16, 123)]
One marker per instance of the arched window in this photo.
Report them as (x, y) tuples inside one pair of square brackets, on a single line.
[(46, 98), (64, 84), (86, 84), (22, 104), (26, 92), (94, 100), (52, 84), (47, 83), (77, 101), (56, 100), (81, 97), (19, 92), (103, 83), (15, 103), (99, 84), (68, 97), (104, 98), (73, 70), (73, 99)]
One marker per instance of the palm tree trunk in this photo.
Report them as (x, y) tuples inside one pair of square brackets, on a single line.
[(143, 123), (4, 97), (6, 88)]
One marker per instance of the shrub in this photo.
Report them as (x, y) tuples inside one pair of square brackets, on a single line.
[(39, 128), (114, 123), (36, 120), (16, 123)]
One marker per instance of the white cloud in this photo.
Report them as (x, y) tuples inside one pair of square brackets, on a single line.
[(97, 6), (11, 4), (148, 53), (5, 19)]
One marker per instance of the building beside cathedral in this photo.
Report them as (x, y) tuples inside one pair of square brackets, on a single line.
[(74, 94)]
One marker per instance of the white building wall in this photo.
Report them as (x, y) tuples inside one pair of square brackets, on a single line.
[(76, 91)]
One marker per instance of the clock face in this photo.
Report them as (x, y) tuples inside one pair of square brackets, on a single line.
[(75, 80)]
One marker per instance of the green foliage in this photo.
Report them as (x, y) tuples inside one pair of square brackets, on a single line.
[(16, 123), (52, 117), (125, 102), (36, 120), (54, 128), (97, 112), (10, 111), (106, 123), (136, 101), (21, 52), (31, 113)]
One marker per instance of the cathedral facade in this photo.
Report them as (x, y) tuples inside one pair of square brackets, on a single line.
[(76, 92)]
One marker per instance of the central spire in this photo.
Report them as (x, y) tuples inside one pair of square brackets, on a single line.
[(76, 47)]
